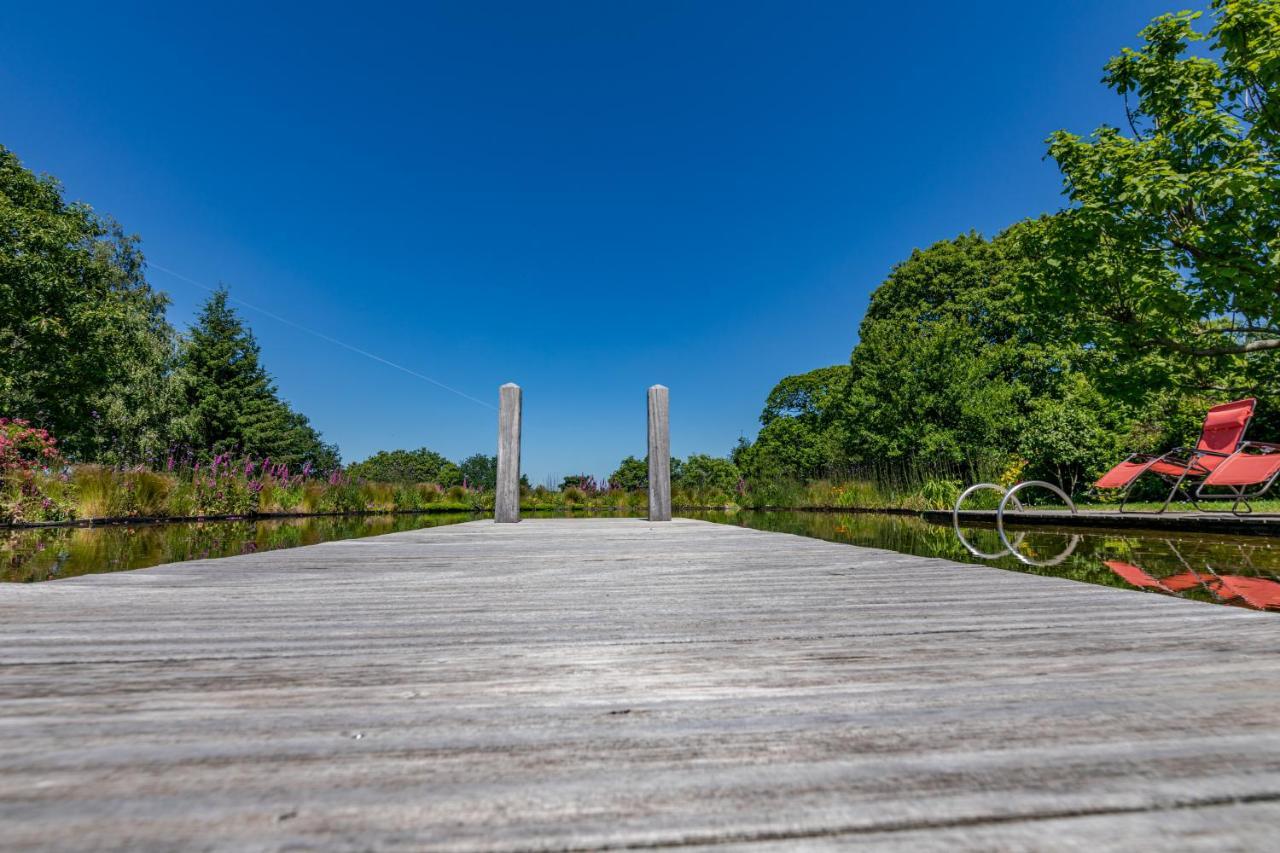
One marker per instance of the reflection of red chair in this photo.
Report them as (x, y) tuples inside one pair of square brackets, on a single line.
[(1255, 463), (1137, 576), (1220, 437), (1261, 593)]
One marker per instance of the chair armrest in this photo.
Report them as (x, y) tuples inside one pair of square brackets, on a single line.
[(1187, 458), (1264, 446)]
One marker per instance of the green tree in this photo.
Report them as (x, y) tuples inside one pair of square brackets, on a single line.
[(232, 400), (952, 370), (803, 428), (942, 366), (632, 475), (85, 351), (1172, 240), (480, 471), (407, 466), (708, 473)]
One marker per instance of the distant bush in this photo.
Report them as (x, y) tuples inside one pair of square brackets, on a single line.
[(31, 487)]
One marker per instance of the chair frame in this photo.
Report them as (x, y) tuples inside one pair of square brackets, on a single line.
[(1184, 456), (1238, 494)]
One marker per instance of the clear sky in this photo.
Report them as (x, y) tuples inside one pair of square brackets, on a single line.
[(583, 198)]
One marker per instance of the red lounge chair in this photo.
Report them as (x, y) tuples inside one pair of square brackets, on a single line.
[(1255, 463), (1220, 437)]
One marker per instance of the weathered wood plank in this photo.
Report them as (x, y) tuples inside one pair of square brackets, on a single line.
[(659, 453), (596, 683), (506, 503)]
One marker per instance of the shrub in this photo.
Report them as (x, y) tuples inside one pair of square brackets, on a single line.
[(30, 489)]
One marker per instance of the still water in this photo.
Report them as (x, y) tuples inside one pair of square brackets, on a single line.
[(1241, 571), (50, 553)]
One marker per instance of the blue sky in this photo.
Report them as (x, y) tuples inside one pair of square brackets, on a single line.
[(583, 198)]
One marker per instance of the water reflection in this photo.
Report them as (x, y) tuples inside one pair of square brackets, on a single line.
[(51, 553), (1242, 571)]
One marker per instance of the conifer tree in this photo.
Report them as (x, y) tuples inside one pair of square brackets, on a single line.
[(232, 400)]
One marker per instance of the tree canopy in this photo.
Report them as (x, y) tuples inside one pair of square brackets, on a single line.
[(803, 427), (407, 466), (1110, 325), (480, 471), (1172, 239), (632, 475), (85, 350)]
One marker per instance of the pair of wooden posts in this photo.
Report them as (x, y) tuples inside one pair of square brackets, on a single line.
[(506, 507)]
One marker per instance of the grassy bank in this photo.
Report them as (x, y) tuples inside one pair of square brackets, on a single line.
[(83, 492), (96, 492)]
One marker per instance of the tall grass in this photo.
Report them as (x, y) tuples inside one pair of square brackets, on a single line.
[(243, 488)]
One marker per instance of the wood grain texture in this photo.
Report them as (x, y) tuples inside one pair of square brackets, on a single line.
[(588, 684), (659, 454), (506, 499)]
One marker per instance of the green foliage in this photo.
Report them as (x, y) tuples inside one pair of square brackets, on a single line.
[(85, 351), (952, 375), (1053, 349), (632, 475), (803, 427), (708, 474), (1172, 240), (948, 375), (232, 400), (480, 471), (407, 466), (945, 362), (31, 489)]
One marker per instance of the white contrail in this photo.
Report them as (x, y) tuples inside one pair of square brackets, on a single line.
[(322, 336)]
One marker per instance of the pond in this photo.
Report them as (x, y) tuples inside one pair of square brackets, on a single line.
[(1241, 571), (50, 553)]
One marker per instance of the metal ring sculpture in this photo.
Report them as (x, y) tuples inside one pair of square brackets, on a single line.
[(1004, 538), (955, 524)]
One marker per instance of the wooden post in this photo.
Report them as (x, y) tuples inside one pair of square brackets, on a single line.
[(659, 454), (506, 503)]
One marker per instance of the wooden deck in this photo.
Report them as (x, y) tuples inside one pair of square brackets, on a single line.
[(587, 684)]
